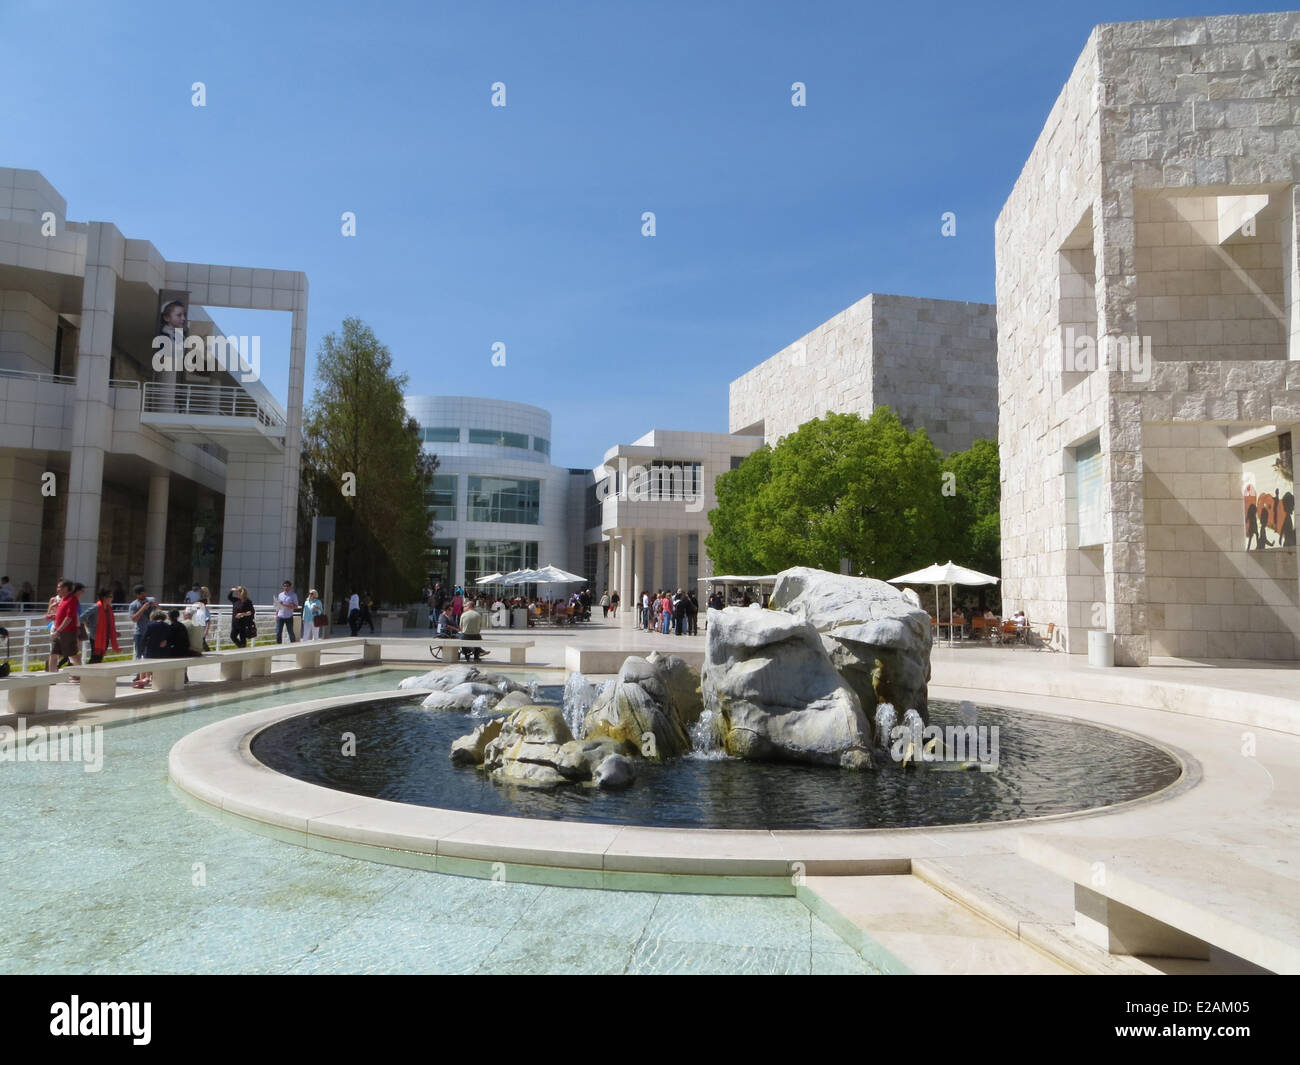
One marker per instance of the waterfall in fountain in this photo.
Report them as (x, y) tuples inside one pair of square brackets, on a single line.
[(481, 706), (534, 691), (704, 738), (886, 719), (579, 694)]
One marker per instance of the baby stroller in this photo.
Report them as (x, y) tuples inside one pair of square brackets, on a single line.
[(4, 666)]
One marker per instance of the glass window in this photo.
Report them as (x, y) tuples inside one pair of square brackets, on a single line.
[(498, 556), (440, 433), (673, 479), (1088, 492), (736, 460), (442, 500), (594, 503), (540, 443), (498, 438), (508, 499), (589, 558)]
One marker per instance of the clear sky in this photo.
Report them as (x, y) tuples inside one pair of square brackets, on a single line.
[(523, 224)]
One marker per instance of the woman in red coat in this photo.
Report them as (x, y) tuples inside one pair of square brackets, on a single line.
[(101, 625)]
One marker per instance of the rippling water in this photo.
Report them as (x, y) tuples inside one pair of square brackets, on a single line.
[(1046, 766)]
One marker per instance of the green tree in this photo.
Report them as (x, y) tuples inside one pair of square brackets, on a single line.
[(363, 463), (839, 487), (974, 519)]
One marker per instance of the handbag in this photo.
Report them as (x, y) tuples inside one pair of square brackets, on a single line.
[(319, 621)]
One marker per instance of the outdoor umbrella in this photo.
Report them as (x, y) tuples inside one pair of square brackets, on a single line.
[(949, 575)]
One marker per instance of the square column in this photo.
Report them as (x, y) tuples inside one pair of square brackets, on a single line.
[(683, 562), (293, 434), (92, 424), (155, 536), (21, 514), (625, 584), (659, 541)]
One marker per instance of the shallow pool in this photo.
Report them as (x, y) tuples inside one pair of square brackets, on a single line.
[(110, 872), (1045, 766)]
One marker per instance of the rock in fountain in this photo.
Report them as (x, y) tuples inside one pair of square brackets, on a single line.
[(533, 746), (877, 639), (776, 696), (651, 707)]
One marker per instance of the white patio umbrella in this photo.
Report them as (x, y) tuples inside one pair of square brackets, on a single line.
[(491, 578), (949, 575)]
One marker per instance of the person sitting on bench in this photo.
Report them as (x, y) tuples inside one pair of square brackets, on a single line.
[(471, 628)]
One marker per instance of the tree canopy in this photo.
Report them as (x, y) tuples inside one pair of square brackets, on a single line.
[(866, 490), (362, 462)]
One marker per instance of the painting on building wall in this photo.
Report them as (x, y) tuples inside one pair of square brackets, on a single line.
[(1268, 493), (173, 326)]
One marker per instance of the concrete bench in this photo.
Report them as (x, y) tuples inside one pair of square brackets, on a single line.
[(29, 693), (99, 683), (1169, 898), (248, 662), (517, 647)]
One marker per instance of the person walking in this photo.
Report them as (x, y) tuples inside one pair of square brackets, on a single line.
[(693, 611), (286, 604), (645, 610), (366, 604), (613, 603), (202, 615), (679, 613), (457, 605), (243, 626), (354, 612), (604, 603), (63, 642), (101, 625), (312, 608)]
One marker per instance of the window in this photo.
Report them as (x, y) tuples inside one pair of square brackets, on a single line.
[(736, 460), (1088, 491), (497, 556), (442, 500), (589, 559), (440, 434), (505, 499), (540, 443), (594, 503), (673, 479), (498, 438)]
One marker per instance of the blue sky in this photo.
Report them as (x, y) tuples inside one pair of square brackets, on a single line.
[(522, 224)]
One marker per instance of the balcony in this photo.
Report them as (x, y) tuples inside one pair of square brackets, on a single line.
[(225, 415)]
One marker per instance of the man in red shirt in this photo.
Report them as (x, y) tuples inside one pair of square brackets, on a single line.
[(63, 637)]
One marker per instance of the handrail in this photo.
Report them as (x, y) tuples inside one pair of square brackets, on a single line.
[(45, 378), (161, 397)]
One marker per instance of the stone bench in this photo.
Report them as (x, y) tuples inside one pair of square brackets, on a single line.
[(99, 682), (249, 662), (517, 647), (1169, 898), (29, 693)]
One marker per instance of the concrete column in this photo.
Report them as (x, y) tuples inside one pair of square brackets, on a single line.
[(625, 583), (92, 424), (458, 563), (683, 562), (638, 570), (660, 541), (21, 513), (1124, 551), (155, 537), (293, 434)]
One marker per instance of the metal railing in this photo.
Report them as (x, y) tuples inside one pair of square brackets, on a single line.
[(43, 378), (29, 633), (230, 401)]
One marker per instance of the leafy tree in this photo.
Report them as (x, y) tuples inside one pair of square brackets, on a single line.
[(974, 522), (838, 487), (363, 463)]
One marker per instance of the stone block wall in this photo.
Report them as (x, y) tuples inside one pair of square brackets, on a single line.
[(1208, 596), (933, 361)]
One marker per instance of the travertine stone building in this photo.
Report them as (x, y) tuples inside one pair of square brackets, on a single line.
[(933, 361), (112, 471), (1149, 345)]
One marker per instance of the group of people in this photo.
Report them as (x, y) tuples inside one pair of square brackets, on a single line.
[(159, 633), (669, 612), (465, 624)]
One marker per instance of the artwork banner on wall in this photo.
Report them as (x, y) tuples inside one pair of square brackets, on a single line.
[(1268, 494)]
